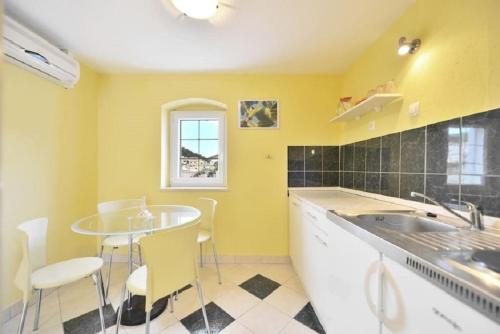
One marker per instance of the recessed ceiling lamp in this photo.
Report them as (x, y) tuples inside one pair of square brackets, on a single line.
[(197, 9), (408, 47)]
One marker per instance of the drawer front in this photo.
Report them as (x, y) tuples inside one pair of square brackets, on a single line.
[(317, 219)]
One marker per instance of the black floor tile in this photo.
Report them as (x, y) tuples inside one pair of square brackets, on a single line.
[(260, 286), (308, 317), (218, 319), (90, 322)]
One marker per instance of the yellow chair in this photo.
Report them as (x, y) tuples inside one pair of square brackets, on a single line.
[(35, 275), (207, 207), (170, 258)]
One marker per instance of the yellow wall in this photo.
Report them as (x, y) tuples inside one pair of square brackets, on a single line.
[(49, 167), (456, 72), (252, 215)]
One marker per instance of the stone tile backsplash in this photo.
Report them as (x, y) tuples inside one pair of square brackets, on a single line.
[(454, 160), (313, 166)]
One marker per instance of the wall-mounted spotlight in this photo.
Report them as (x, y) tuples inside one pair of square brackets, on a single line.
[(406, 47)]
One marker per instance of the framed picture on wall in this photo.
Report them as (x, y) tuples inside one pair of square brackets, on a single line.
[(258, 114)]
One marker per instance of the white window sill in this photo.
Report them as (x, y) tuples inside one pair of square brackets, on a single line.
[(194, 189)]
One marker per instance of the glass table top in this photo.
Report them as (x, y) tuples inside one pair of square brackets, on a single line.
[(144, 219)]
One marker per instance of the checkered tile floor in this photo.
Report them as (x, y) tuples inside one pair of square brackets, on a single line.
[(253, 298)]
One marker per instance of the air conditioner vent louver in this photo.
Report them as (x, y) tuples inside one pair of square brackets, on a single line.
[(479, 302), (33, 53)]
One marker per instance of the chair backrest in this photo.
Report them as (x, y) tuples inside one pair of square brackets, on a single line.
[(111, 206), (170, 257), (207, 208), (33, 243)]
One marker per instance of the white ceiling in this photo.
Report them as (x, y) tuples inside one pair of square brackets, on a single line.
[(246, 36)]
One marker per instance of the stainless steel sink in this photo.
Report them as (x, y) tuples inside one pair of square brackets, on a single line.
[(404, 222)]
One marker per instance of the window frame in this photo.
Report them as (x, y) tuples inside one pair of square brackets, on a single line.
[(174, 165)]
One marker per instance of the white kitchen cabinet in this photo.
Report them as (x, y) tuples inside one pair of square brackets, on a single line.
[(339, 271), (316, 265), (356, 290), (413, 305), (353, 284), (296, 236)]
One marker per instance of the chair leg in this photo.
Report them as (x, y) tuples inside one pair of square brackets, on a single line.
[(119, 318), (148, 321), (96, 277), (201, 255), (140, 254), (216, 259), (202, 302), (102, 283), (171, 303), (23, 318), (110, 263), (37, 313)]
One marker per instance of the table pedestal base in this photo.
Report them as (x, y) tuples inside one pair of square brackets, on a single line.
[(135, 315)]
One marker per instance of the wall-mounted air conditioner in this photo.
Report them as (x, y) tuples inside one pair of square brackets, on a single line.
[(35, 54)]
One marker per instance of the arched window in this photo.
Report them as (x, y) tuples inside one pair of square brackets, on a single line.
[(193, 144)]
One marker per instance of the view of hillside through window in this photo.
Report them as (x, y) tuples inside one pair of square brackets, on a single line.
[(199, 141)]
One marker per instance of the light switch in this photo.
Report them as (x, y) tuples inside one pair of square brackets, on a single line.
[(414, 109), (371, 125)]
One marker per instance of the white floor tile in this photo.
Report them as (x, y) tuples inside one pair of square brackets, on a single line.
[(280, 273), (240, 273), (165, 320), (287, 301), (237, 301), (78, 298), (55, 329), (236, 328), (50, 319), (213, 290), (295, 284), (187, 303), (112, 330), (295, 327), (264, 318), (176, 328)]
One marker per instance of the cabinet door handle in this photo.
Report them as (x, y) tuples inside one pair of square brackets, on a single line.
[(381, 280), (374, 304), (312, 216), (321, 241)]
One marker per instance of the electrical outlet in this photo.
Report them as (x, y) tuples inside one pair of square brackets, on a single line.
[(371, 125), (414, 109)]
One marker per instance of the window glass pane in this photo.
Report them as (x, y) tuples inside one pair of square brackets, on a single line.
[(209, 129), (189, 129), (209, 158), (189, 158), (209, 148), (189, 147)]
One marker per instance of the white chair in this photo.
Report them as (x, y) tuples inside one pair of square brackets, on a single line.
[(207, 207), (34, 275), (170, 258), (116, 241)]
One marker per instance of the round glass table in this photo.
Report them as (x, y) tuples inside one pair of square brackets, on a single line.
[(131, 222)]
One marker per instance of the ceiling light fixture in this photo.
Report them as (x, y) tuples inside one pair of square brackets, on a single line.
[(408, 47), (197, 9)]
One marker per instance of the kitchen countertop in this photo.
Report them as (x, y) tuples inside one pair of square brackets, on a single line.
[(336, 199), (340, 206)]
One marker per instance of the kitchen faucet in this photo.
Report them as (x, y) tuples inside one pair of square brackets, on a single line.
[(475, 213)]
